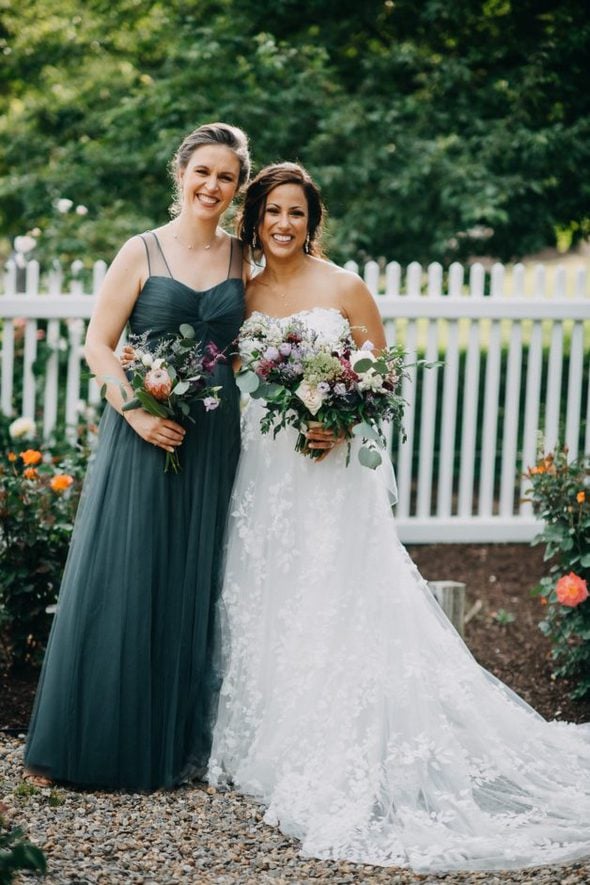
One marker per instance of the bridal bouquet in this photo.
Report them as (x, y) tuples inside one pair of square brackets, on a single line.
[(304, 378), (170, 375)]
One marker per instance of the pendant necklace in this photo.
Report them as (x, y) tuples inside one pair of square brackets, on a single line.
[(191, 247)]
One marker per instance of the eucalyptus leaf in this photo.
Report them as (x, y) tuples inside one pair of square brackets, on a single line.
[(363, 365), (131, 404), (187, 331), (369, 457), (366, 431), (181, 388), (248, 382)]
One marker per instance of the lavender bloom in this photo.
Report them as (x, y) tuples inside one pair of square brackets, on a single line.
[(297, 368), (210, 403), (271, 354), (285, 348)]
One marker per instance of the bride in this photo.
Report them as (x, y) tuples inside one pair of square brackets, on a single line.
[(350, 706)]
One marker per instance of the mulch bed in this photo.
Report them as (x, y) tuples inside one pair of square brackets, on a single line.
[(499, 575)]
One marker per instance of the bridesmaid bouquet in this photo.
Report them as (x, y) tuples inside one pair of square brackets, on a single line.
[(170, 375), (304, 378)]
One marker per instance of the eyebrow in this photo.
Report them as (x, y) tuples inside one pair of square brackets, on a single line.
[(276, 206), (205, 166)]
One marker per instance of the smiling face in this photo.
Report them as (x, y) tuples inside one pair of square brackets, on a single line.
[(284, 224), (209, 181)]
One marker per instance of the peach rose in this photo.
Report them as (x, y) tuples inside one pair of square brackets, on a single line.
[(12, 456), (30, 473), (581, 497), (31, 457), (571, 590), (61, 481)]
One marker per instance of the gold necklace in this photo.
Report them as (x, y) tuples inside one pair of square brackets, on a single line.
[(191, 247)]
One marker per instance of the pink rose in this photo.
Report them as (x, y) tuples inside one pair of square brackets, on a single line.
[(571, 590)]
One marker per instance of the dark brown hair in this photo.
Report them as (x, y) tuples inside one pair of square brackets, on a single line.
[(210, 133), (256, 197)]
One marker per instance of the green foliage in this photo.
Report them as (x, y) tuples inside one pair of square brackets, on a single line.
[(16, 853), (436, 130), (38, 503), (561, 498)]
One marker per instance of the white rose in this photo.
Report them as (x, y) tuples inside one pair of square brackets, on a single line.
[(146, 359), (359, 355), (310, 396), (22, 428), (81, 210), (248, 346), (63, 205), (157, 364), (24, 244)]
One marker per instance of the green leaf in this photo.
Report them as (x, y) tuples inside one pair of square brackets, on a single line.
[(366, 431), (132, 404), (151, 405), (363, 365), (585, 560), (181, 388), (248, 381), (187, 331), (369, 457)]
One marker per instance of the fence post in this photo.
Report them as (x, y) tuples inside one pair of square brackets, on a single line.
[(450, 595)]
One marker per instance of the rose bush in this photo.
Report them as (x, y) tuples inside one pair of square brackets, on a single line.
[(560, 494), (39, 491)]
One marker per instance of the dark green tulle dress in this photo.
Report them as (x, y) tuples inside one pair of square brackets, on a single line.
[(128, 686)]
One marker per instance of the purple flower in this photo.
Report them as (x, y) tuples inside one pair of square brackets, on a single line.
[(210, 403), (323, 387), (285, 348), (297, 368), (271, 354), (340, 389)]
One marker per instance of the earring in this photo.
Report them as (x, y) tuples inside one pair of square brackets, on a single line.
[(307, 245), (255, 240)]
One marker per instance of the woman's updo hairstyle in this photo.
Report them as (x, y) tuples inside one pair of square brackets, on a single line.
[(255, 204), (210, 133)]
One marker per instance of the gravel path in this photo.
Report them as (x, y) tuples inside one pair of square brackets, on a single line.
[(190, 835)]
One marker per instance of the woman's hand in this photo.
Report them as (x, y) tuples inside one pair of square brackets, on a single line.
[(127, 356), (321, 439), (161, 432)]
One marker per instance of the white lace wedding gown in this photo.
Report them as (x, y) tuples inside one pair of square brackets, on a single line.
[(350, 706)]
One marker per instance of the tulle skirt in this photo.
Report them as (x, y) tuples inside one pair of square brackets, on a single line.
[(352, 708)]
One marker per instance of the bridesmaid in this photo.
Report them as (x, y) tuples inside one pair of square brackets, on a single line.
[(128, 686)]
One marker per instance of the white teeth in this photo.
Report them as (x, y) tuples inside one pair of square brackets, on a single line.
[(210, 201), (282, 238)]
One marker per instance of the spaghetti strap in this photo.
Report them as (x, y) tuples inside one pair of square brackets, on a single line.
[(161, 251), (147, 254), (231, 255)]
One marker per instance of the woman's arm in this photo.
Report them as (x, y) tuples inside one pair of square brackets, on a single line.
[(118, 294)]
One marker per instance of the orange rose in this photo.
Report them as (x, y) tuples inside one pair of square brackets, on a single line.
[(540, 468), (31, 457), (571, 590), (12, 456), (581, 497), (543, 600), (61, 481), (30, 473)]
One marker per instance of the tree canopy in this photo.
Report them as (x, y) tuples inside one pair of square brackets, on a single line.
[(436, 130)]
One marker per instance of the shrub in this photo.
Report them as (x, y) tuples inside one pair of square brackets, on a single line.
[(39, 491), (560, 493), (16, 853)]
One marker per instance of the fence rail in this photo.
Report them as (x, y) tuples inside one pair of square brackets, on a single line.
[(514, 356)]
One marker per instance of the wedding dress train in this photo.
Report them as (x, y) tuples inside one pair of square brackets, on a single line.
[(350, 706)]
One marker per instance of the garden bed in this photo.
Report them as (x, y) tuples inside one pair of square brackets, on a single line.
[(498, 575)]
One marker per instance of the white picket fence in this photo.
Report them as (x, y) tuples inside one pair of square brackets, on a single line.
[(460, 469)]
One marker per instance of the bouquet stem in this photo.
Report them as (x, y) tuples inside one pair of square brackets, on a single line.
[(172, 462)]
